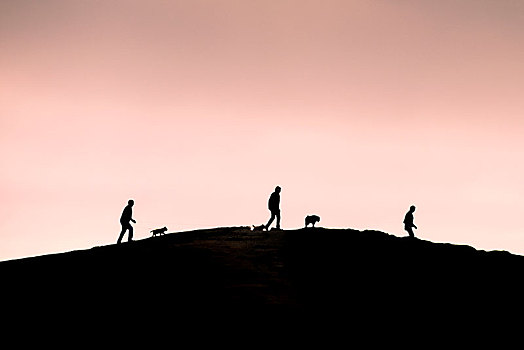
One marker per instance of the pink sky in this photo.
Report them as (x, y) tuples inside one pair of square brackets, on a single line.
[(198, 109)]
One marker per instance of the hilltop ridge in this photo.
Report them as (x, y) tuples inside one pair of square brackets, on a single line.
[(307, 273)]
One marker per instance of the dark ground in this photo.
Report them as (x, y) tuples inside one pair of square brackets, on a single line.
[(235, 278)]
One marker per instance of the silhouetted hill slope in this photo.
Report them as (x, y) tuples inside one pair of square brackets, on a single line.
[(309, 275)]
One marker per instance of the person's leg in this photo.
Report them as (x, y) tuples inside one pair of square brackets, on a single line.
[(410, 231), (278, 219), (124, 228), (270, 221), (130, 237)]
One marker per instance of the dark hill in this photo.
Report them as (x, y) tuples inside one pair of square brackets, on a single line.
[(313, 276)]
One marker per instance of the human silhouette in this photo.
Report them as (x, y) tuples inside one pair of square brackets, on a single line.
[(274, 207), (127, 216), (408, 222)]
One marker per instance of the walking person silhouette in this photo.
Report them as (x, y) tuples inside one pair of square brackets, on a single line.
[(127, 216), (274, 207), (408, 222)]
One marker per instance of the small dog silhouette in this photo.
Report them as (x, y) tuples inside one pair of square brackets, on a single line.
[(259, 228), (312, 219), (159, 231)]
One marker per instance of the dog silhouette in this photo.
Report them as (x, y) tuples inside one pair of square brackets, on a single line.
[(312, 219), (258, 228), (159, 231)]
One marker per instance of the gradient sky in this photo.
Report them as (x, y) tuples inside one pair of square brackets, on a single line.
[(198, 109)]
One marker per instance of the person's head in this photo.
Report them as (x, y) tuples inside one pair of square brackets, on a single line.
[(130, 202), (278, 189), (412, 208)]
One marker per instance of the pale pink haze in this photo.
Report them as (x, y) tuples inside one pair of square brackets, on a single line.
[(198, 109)]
